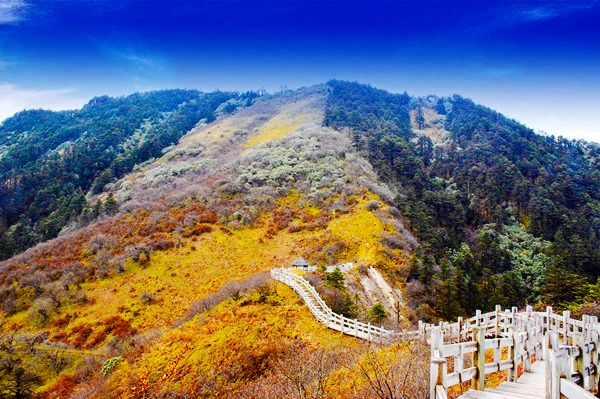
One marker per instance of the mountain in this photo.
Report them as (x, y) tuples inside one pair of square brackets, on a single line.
[(50, 160), (169, 208), (487, 192)]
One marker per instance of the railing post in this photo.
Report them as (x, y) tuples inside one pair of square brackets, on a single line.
[(438, 366), (566, 325), (528, 323), (498, 311), (529, 344), (513, 353), (553, 366), (538, 351), (595, 340), (545, 346), (582, 362), (478, 382), (549, 318)]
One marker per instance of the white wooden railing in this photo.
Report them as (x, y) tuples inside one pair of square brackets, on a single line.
[(453, 331), (324, 314), (513, 338), (569, 347), (573, 356)]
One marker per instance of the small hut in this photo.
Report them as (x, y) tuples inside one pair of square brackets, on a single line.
[(301, 262)]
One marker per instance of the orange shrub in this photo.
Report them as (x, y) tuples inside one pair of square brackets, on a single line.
[(62, 388), (118, 326), (80, 334), (208, 216), (63, 321), (196, 230), (162, 242)]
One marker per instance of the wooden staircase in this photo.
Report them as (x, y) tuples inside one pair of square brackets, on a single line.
[(530, 385), (508, 390), (324, 314), (560, 356)]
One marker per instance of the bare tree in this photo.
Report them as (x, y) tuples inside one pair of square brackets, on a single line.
[(300, 374), (400, 372)]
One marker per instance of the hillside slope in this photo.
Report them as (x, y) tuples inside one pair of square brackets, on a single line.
[(501, 212), (159, 283), (50, 160), (164, 293)]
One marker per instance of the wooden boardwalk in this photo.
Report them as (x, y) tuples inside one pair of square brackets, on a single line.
[(560, 356), (324, 314), (355, 328), (530, 385)]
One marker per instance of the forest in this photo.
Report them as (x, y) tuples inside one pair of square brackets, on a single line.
[(502, 213)]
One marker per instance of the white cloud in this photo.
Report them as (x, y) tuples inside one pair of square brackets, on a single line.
[(14, 98), (554, 10), (510, 14), (146, 62), (537, 14), (12, 11), (142, 61), (524, 13)]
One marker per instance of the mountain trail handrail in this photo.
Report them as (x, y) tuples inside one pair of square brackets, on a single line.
[(457, 331), (569, 347), (324, 314)]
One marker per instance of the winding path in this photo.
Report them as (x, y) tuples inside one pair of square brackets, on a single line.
[(559, 356), (324, 314)]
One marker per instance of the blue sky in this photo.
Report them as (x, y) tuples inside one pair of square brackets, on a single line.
[(538, 62)]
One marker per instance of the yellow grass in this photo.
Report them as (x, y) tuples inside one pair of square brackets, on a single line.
[(228, 334), (178, 277), (290, 117)]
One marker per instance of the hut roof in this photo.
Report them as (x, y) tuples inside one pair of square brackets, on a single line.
[(300, 262)]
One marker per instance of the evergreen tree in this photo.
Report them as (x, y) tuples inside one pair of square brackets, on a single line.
[(440, 107), (97, 210), (335, 278), (377, 313), (563, 287), (110, 205), (101, 181)]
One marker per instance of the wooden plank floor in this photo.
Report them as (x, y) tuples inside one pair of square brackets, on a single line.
[(530, 385)]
